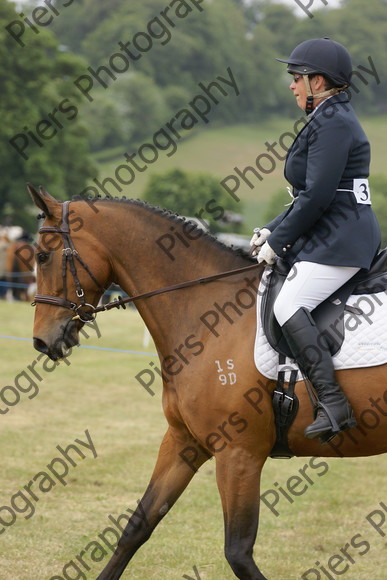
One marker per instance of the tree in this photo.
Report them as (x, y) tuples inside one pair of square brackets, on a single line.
[(197, 195), (246, 36), (378, 186), (38, 104), (361, 28)]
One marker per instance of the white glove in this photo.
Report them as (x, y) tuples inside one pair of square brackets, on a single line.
[(266, 254), (258, 239)]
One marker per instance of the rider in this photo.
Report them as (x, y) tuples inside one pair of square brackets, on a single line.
[(330, 231)]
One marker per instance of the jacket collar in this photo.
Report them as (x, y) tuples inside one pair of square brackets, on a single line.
[(340, 98), (330, 101)]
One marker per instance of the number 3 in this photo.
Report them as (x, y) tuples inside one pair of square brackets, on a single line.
[(365, 191)]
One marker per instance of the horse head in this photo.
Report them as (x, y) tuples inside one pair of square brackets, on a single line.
[(67, 289)]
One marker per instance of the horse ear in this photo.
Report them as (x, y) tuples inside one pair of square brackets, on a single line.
[(43, 200)]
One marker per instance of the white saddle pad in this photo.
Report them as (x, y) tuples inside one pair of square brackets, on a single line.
[(365, 343)]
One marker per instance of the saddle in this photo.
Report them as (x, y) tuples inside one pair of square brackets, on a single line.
[(329, 315), (329, 319)]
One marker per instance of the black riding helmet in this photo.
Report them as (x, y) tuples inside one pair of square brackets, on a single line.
[(321, 56)]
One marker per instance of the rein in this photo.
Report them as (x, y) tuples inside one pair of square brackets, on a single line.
[(122, 301), (85, 311)]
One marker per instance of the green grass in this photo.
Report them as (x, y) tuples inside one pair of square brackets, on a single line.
[(98, 392), (219, 150)]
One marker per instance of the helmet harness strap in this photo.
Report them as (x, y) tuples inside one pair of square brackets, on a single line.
[(310, 96)]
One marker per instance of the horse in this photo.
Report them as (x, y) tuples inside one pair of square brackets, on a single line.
[(20, 269), (203, 325)]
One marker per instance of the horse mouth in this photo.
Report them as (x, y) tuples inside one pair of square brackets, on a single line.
[(61, 347)]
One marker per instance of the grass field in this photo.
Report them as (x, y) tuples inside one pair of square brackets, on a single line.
[(219, 150), (97, 394)]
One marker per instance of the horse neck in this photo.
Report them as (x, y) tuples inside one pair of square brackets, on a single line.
[(149, 250)]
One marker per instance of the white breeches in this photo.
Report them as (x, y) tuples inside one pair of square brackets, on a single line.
[(307, 285)]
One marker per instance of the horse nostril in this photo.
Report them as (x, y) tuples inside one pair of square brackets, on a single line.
[(40, 345)]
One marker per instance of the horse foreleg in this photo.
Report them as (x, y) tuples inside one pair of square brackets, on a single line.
[(238, 477), (170, 477)]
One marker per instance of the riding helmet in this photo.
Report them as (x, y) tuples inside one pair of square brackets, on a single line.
[(321, 56)]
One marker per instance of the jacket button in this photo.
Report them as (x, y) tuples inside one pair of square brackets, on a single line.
[(288, 246), (284, 249)]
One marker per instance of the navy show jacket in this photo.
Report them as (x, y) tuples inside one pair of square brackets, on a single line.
[(324, 225)]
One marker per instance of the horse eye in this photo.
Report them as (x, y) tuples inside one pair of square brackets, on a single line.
[(42, 258)]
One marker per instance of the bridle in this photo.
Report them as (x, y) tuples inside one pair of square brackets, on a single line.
[(85, 312)]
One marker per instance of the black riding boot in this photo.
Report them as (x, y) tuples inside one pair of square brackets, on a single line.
[(333, 412)]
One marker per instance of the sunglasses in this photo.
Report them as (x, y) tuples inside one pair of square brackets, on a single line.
[(296, 78)]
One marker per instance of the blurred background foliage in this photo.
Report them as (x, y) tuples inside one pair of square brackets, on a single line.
[(246, 36)]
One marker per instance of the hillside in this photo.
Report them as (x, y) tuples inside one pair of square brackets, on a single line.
[(219, 150)]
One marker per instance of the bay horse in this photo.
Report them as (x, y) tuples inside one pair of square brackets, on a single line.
[(19, 271), (213, 396)]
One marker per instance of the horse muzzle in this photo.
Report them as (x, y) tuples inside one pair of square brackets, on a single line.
[(58, 345)]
